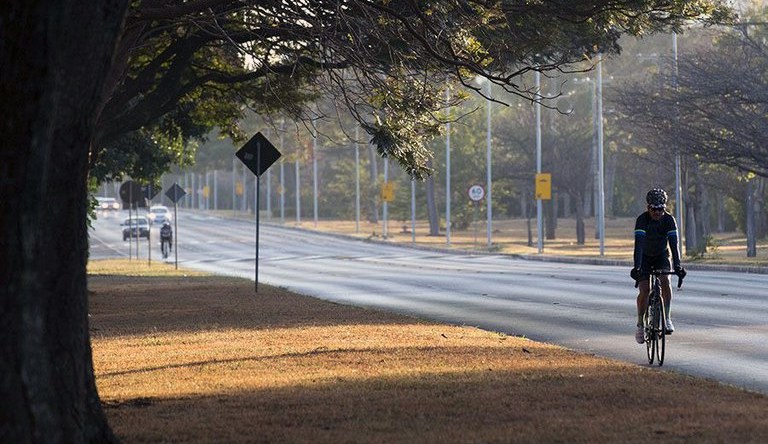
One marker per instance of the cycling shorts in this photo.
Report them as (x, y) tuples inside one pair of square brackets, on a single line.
[(660, 262)]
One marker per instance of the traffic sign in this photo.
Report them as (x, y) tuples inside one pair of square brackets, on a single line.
[(131, 193), (476, 193), (544, 186), (150, 191), (258, 154), (388, 192), (175, 193)]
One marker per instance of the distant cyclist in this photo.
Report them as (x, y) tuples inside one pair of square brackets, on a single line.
[(655, 237), (166, 238)]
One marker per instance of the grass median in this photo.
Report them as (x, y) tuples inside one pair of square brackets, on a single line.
[(188, 357)]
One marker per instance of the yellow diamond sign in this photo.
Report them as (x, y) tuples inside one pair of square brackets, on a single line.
[(388, 192), (544, 186)]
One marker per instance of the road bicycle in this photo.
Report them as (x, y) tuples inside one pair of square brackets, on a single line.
[(654, 322), (165, 247)]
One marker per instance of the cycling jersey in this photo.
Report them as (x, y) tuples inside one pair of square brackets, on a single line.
[(166, 232), (653, 237)]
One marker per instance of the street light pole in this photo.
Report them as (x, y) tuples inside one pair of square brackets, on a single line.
[(678, 182), (298, 189), (385, 205), (447, 174), (600, 163), (282, 173), (488, 177), (314, 177), (413, 211), (269, 190), (539, 206), (357, 179)]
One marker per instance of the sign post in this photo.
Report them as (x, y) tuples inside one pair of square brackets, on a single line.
[(476, 194), (149, 191), (175, 193), (131, 195), (258, 154)]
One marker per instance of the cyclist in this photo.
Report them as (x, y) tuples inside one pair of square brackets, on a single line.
[(655, 237), (166, 236)]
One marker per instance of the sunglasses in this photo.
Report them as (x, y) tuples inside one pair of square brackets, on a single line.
[(656, 210)]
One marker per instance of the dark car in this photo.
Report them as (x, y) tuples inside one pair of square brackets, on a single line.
[(135, 227)]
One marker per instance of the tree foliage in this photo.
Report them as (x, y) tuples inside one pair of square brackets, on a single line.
[(183, 67), (714, 107)]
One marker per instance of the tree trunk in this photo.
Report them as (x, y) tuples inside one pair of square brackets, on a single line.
[(705, 229), (523, 205), (373, 212), (529, 214), (720, 212), (695, 212), (760, 217), (51, 84), (608, 187), (434, 222), (580, 232), (588, 201), (692, 245), (530, 232), (550, 217), (751, 238)]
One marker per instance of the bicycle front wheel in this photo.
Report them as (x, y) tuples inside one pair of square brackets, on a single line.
[(650, 336), (661, 333)]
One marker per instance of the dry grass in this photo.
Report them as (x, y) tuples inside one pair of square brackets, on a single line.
[(205, 359), (135, 267)]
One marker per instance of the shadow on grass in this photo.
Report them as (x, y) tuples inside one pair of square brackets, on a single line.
[(478, 406), (127, 305), (350, 393)]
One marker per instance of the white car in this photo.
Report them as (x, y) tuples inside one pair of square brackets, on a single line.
[(159, 214), (108, 203)]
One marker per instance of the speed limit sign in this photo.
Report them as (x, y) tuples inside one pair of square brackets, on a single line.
[(476, 193)]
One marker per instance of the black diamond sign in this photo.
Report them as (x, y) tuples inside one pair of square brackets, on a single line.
[(131, 193), (258, 154), (175, 193), (150, 191)]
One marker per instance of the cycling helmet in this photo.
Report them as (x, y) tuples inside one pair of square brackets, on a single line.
[(656, 198), (166, 224)]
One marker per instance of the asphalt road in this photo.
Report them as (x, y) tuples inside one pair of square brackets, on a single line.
[(720, 317)]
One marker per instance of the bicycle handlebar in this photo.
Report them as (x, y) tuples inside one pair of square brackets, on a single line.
[(662, 273)]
